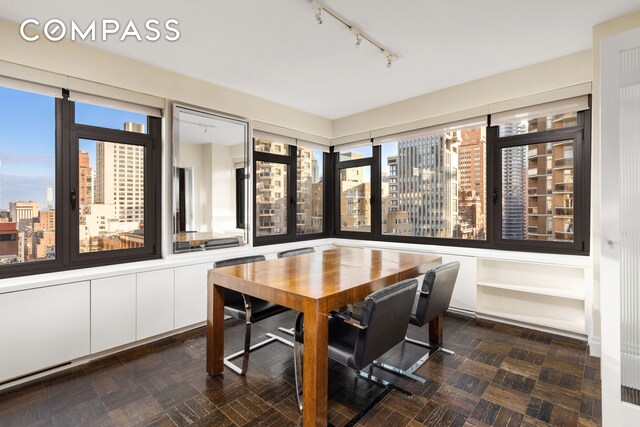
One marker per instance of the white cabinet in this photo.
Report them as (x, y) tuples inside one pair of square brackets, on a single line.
[(113, 312), (464, 293), (547, 295), (154, 303), (191, 294), (41, 328)]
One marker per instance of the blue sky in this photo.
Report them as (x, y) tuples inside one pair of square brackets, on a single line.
[(27, 142)]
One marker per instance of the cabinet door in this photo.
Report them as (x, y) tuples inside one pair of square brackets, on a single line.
[(155, 300), (191, 294), (113, 312), (42, 328)]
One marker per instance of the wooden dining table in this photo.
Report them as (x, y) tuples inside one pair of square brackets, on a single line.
[(314, 284)]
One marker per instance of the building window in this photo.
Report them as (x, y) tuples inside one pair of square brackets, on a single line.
[(541, 181), (289, 192), (73, 203)]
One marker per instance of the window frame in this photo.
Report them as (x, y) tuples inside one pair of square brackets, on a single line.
[(582, 194), (289, 159), (581, 136), (152, 193), (376, 224), (67, 135)]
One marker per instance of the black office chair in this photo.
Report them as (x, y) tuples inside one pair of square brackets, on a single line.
[(432, 301), (249, 309), (356, 344), (295, 252)]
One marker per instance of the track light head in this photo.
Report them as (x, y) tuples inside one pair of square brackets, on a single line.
[(358, 39), (318, 15)]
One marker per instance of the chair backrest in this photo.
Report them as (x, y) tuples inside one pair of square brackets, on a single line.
[(386, 314), (233, 298), (439, 284), (294, 252)]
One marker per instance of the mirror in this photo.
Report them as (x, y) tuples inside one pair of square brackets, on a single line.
[(210, 165)]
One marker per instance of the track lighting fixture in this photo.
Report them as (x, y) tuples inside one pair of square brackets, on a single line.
[(318, 8)]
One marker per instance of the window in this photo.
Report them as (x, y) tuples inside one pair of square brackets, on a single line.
[(289, 189), (462, 184), (310, 192), (354, 192), (67, 200), (433, 184), (27, 177), (541, 184)]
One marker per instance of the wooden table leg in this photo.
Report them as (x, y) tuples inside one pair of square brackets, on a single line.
[(215, 329), (436, 330), (315, 368)]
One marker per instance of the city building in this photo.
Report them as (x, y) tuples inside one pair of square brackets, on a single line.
[(514, 189), (472, 169), (427, 186), (85, 178), (9, 243), (120, 178), (23, 210)]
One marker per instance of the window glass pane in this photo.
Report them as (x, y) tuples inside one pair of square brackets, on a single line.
[(27, 177), (273, 147), (355, 199), (537, 192), (435, 185), (110, 118), (356, 153), (110, 196), (309, 192), (271, 198), (539, 124)]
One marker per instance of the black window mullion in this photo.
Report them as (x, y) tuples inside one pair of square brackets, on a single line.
[(292, 194), (376, 193)]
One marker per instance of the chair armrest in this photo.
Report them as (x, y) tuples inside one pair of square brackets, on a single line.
[(347, 319)]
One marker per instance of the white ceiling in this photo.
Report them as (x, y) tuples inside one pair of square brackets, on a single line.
[(275, 50)]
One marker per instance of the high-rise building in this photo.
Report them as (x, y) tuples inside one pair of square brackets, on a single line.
[(395, 221), (428, 185), (23, 210), (120, 179), (304, 190), (472, 168), (85, 178), (50, 198), (514, 189)]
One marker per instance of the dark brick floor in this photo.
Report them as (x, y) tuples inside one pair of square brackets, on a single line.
[(501, 375)]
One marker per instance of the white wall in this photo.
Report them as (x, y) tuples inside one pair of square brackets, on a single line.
[(223, 181), (198, 156)]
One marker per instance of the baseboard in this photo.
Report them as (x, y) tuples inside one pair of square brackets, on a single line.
[(555, 331), (595, 348)]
